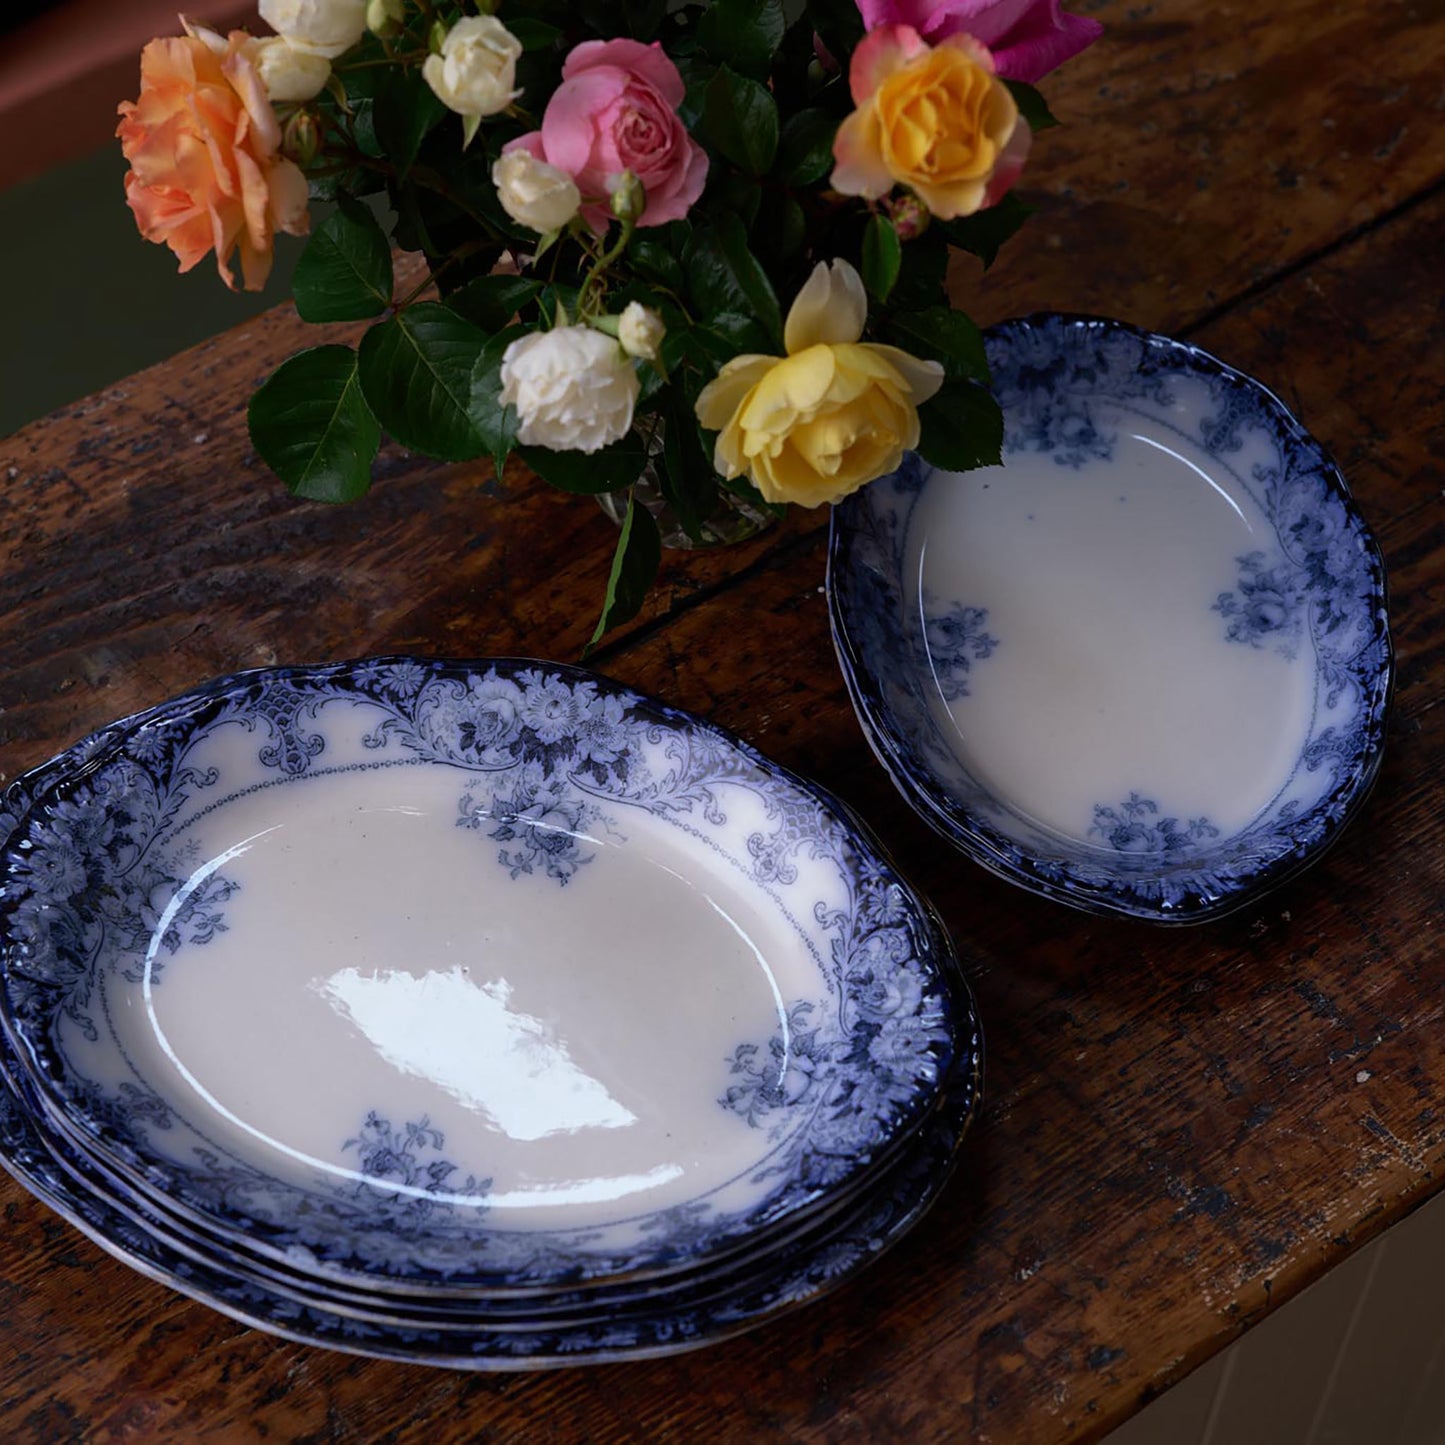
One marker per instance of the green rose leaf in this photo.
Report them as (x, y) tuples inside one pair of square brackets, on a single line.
[(310, 424), (941, 334), (327, 183), (744, 34), (657, 261), (643, 17), (984, 232), (555, 300), (416, 375), (533, 34), (962, 428), (689, 482), (839, 23), (492, 301), (404, 112), (607, 470), (634, 565), (724, 276), (359, 93), (344, 273), (737, 336), (805, 147), (740, 119), (882, 256), (921, 282), (1032, 105), (696, 72), (792, 228), (495, 423), (742, 195)]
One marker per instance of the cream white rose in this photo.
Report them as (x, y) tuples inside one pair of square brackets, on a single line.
[(476, 73), (324, 27), (287, 73), (573, 388), (534, 194), (640, 330)]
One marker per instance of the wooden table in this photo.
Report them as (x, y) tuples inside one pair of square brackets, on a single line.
[(1183, 1128)]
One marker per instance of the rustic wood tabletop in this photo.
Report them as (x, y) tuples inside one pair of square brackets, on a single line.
[(1182, 1128)]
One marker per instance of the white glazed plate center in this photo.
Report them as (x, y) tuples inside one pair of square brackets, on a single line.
[(1096, 666), (382, 984)]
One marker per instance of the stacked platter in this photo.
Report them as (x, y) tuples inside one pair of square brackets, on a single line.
[(484, 1014)]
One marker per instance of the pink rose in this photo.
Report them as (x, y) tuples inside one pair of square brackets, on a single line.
[(616, 110), (1028, 38)]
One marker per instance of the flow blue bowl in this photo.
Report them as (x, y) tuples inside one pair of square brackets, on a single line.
[(1143, 668)]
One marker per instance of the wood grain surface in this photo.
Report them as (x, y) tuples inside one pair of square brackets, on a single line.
[(1183, 1128)]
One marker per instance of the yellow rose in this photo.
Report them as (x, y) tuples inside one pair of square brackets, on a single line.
[(933, 118), (836, 412)]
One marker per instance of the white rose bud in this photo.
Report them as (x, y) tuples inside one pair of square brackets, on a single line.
[(640, 330), (384, 17), (324, 27), (573, 388), (476, 73), (533, 193), (287, 73)]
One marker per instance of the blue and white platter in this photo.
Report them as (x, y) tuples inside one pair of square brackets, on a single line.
[(473, 995), (1142, 667), (657, 1320)]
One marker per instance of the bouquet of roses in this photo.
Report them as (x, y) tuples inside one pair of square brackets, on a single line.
[(688, 253)]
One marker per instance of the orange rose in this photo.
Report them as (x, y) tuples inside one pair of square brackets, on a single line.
[(935, 118), (204, 147)]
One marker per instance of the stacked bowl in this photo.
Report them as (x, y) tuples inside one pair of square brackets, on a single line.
[(482, 1014)]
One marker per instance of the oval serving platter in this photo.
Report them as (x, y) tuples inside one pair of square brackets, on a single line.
[(465, 975), (892, 1203), (1143, 667)]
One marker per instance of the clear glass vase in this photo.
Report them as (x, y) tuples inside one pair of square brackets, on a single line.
[(734, 519)]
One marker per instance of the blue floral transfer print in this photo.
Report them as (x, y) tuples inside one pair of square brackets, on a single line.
[(1049, 386), (1267, 606), (410, 1157), (956, 639), (86, 880), (1136, 827), (541, 824), (847, 1075)]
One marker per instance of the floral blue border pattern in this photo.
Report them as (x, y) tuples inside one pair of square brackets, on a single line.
[(1134, 826), (629, 1321), (1268, 604), (542, 749), (1321, 590), (87, 877), (410, 1156)]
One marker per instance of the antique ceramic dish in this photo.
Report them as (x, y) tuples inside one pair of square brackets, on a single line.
[(1142, 667), (483, 976), (658, 1322)]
